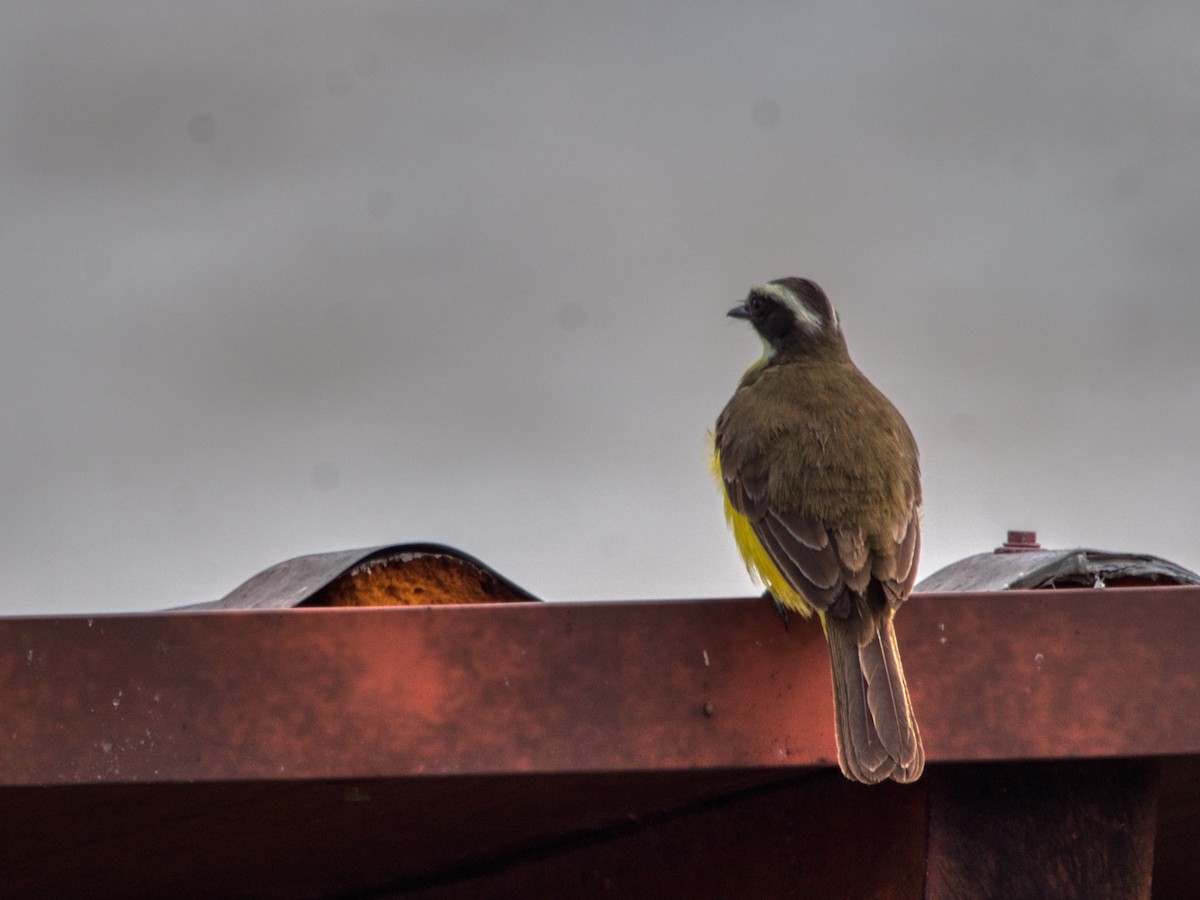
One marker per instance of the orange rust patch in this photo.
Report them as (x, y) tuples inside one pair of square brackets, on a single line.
[(420, 581)]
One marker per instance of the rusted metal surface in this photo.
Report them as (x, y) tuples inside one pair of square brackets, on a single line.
[(1176, 875), (363, 693), (962, 831), (457, 750), (415, 579), (1071, 831), (367, 693), (1055, 674), (819, 837), (695, 834), (301, 580), (1068, 830), (316, 838)]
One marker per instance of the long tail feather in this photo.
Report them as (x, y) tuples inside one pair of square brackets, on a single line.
[(877, 733)]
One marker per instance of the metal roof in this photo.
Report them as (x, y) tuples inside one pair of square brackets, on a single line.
[(1077, 567)]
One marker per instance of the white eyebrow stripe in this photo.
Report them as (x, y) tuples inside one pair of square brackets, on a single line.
[(805, 316)]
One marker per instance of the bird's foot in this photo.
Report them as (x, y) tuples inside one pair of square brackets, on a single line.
[(779, 608)]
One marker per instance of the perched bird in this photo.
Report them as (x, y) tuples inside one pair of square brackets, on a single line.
[(823, 491)]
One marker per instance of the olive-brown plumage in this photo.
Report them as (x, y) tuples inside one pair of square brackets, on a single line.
[(823, 492)]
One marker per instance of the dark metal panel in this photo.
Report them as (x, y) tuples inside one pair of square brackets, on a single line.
[(1176, 875), (312, 838), (1068, 830), (819, 837)]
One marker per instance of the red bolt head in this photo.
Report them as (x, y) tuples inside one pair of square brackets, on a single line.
[(1020, 542)]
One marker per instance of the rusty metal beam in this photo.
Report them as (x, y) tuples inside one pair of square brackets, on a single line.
[(461, 750), (604, 687)]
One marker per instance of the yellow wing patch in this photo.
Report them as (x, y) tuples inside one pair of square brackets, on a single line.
[(758, 561)]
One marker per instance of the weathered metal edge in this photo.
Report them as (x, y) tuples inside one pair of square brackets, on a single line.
[(578, 687)]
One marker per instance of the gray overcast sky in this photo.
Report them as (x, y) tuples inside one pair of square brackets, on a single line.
[(282, 278)]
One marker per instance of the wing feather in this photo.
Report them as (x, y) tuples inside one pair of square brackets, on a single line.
[(814, 574)]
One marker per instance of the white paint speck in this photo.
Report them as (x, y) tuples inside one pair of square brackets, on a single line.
[(706, 662)]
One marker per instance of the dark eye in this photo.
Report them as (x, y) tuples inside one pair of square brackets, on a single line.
[(755, 304)]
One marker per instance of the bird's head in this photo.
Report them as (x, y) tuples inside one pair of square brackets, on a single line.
[(793, 317)]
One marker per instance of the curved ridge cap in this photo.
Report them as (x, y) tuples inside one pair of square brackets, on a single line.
[(1038, 568), (289, 583)]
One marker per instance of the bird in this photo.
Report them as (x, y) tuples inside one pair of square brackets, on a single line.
[(822, 490)]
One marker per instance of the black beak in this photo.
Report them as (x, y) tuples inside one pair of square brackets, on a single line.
[(739, 312)]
